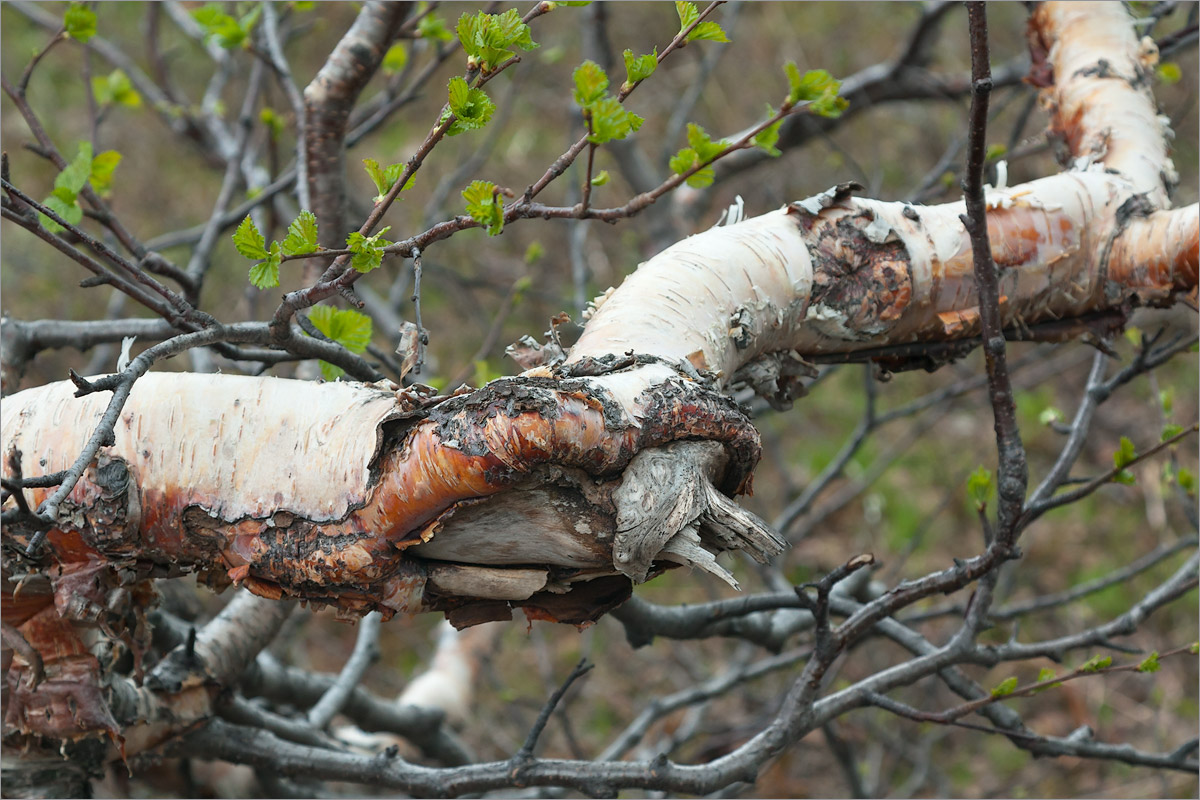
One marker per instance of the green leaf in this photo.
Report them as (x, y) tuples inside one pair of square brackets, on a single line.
[(1005, 687), (1095, 663), (1187, 480), (103, 167), (273, 122), (491, 39), (248, 241), (817, 88), (979, 487), (704, 146), (1134, 335), (1195, 649), (347, 327), (1166, 398), (433, 28), (1171, 430), (1126, 477), (302, 235), (1047, 674), (1169, 72), (768, 136), (591, 83), (367, 250), (639, 68), (600, 178), (707, 32), (686, 159), (75, 175), (265, 274), (1150, 664), (70, 211), (485, 206), (116, 88), (472, 108), (1049, 415), (395, 59), (80, 22), (534, 252), (995, 151), (687, 14), (222, 28), (610, 120), (1125, 454)]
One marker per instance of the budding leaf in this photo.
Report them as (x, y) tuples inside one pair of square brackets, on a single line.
[(64, 199), (768, 136), (1125, 454), (1150, 664), (1166, 398), (1049, 415), (385, 178), (472, 108), (79, 22), (1095, 663), (817, 88), (640, 67), (222, 28), (302, 235), (265, 274), (485, 206), (116, 88), (610, 120), (1005, 687), (590, 83), (600, 178), (1171, 430), (490, 39), (1169, 72), (433, 28), (979, 487), (1047, 674), (687, 14), (395, 59), (248, 241), (367, 250), (103, 167), (1187, 480)]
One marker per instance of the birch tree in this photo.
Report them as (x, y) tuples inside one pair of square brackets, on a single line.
[(603, 464)]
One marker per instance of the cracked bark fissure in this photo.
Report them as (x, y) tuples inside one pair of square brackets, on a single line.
[(362, 499)]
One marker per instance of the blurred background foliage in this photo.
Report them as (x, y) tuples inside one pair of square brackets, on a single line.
[(902, 496)]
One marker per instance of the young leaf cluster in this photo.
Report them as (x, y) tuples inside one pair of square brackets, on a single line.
[(115, 88), (979, 487), (638, 68), (385, 178), (471, 107), (817, 88), (485, 206), (301, 238), (490, 39), (347, 327), (1124, 456), (701, 152), (705, 31), (79, 22), (82, 169), (367, 250), (607, 119), (222, 28)]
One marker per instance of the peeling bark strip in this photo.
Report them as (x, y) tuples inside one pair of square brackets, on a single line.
[(554, 490)]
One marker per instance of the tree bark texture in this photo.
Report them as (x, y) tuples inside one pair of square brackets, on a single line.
[(555, 490)]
